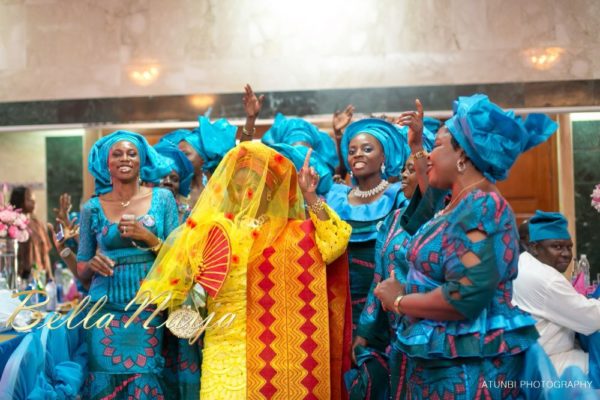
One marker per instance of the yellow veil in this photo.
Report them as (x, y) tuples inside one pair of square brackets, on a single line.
[(245, 206)]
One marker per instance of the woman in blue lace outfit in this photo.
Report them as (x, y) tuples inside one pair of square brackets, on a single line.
[(121, 230), (179, 178), (204, 147), (390, 250), (459, 329), (372, 149), (182, 360)]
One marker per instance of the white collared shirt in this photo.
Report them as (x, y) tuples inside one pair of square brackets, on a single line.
[(558, 309)]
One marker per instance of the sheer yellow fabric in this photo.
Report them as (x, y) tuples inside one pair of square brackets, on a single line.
[(332, 235), (250, 198), (245, 209)]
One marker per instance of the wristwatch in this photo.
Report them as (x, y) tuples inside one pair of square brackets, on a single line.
[(66, 252)]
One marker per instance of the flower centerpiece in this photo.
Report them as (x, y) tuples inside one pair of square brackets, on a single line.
[(596, 197), (13, 223), (13, 229)]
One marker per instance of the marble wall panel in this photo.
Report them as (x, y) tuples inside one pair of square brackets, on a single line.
[(13, 53), (70, 49), (23, 162), (582, 93), (64, 161)]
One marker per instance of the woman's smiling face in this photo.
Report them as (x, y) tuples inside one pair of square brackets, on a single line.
[(441, 162), (124, 161), (365, 155)]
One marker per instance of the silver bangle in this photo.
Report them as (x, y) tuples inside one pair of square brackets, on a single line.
[(66, 252)]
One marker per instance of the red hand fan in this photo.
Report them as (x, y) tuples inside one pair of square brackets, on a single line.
[(211, 260)]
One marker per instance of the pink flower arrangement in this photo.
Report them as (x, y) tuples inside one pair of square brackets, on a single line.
[(13, 223), (596, 197)]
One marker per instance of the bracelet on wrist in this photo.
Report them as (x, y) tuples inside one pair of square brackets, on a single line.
[(66, 252), (420, 154), (154, 248), (246, 133), (397, 304), (317, 206)]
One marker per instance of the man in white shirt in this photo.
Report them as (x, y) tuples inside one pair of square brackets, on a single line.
[(542, 290)]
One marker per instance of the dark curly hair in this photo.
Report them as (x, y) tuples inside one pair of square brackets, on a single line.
[(17, 197)]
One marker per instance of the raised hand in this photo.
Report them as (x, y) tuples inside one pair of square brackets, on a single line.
[(252, 103), (308, 179), (70, 232), (64, 207), (59, 245), (341, 119), (414, 121)]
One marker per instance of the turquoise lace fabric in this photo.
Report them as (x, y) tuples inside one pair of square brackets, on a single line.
[(124, 360)]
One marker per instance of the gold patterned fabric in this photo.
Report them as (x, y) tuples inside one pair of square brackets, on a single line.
[(272, 260)]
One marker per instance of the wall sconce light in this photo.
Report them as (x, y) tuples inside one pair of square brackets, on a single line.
[(144, 75), (543, 58), (200, 101)]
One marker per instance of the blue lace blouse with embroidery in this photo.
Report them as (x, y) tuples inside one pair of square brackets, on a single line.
[(390, 254), (365, 218), (132, 263), (482, 293)]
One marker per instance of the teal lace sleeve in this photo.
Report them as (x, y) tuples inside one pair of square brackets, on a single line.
[(87, 231), (373, 318), (171, 212), (470, 289)]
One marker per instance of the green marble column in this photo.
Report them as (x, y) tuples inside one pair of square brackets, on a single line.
[(63, 170)]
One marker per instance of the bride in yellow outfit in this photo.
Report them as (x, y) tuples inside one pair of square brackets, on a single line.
[(249, 243)]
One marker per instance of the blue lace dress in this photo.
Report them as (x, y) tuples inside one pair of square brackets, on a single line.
[(124, 361), (473, 357), (370, 379), (183, 361), (390, 251)]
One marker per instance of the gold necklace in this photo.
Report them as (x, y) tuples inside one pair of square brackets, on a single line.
[(125, 203), (455, 199)]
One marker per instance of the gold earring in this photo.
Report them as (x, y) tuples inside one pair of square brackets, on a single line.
[(461, 166)]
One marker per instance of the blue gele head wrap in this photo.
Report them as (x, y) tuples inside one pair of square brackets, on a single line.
[(548, 225), (493, 138), (179, 163), (430, 128), (294, 130), (152, 166), (393, 139), (297, 154), (175, 137), (184, 135), (432, 124), (212, 141)]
